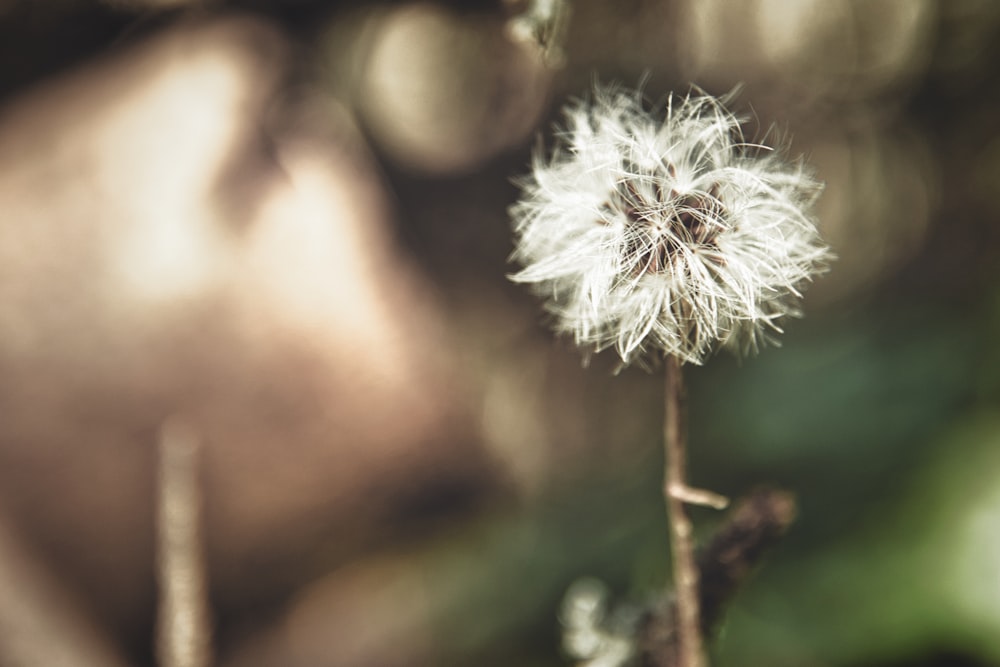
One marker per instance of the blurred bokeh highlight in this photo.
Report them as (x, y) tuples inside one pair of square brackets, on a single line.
[(284, 225)]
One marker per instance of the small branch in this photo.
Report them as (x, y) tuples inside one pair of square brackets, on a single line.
[(690, 644), (759, 521), (183, 632), (701, 497)]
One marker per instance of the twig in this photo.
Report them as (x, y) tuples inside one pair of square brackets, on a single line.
[(758, 522), (183, 623)]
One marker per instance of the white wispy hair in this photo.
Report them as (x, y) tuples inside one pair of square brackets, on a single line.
[(669, 236)]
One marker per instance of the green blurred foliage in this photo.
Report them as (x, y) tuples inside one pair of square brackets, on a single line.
[(884, 425)]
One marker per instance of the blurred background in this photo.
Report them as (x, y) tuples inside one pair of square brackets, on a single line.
[(283, 224)]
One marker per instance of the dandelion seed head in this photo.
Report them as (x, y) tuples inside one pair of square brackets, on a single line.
[(589, 635), (666, 233)]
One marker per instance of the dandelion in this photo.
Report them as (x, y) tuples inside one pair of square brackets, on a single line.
[(669, 238), (591, 635), (665, 237)]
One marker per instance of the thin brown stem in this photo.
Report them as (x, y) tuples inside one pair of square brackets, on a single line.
[(691, 651), (183, 620)]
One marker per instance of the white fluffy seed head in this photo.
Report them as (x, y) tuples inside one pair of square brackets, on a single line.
[(669, 236)]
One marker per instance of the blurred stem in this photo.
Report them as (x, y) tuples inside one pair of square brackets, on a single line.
[(691, 651), (183, 622)]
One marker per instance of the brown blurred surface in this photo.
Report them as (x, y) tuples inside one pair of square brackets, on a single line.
[(176, 242)]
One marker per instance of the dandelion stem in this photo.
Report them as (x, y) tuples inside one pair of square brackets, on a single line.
[(691, 652)]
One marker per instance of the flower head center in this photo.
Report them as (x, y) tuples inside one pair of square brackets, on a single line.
[(664, 225)]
